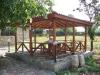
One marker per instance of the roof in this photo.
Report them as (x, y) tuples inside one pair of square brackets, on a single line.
[(59, 20)]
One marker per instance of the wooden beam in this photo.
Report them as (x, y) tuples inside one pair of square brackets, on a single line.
[(85, 42), (63, 17), (22, 39), (65, 33), (34, 38), (54, 39), (59, 21), (68, 23), (30, 38), (17, 24), (54, 31), (16, 41), (73, 40), (59, 25)]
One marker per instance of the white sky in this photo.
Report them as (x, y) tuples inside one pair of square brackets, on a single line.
[(66, 7)]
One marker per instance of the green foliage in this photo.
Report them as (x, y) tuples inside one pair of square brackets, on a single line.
[(39, 31), (8, 31), (67, 73), (90, 67), (13, 11), (69, 30), (60, 32), (97, 32), (98, 18), (91, 9), (91, 33)]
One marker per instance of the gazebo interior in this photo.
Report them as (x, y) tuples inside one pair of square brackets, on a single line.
[(53, 22)]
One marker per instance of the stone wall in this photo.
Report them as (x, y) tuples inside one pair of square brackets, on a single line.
[(4, 39), (20, 33)]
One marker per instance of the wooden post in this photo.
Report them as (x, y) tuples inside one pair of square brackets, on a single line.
[(85, 42), (54, 31), (73, 40), (49, 33), (17, 24), (54, 39), (22, 40), (65, 34), (30, 38), (16, 41), (34, 38)]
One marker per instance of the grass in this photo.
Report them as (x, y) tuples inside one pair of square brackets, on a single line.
[(44, 38)]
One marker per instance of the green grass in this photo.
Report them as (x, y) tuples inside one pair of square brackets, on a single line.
[(44, 38), (77, 38)]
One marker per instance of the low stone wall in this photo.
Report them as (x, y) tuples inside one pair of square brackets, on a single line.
[(48, 64)]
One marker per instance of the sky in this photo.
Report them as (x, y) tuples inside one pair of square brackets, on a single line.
[(66, 7)]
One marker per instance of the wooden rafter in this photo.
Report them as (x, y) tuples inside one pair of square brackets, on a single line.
[(63, 17), (61, 21)]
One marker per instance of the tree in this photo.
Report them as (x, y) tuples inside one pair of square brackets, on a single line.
[(91, 9), (13, 11), (98, 31), (69, 30)]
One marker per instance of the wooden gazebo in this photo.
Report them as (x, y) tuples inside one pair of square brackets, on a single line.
[(52, 22)]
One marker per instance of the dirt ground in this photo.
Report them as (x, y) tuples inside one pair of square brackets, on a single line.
[(9, 66)]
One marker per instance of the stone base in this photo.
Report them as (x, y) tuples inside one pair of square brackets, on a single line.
[(44, 63)]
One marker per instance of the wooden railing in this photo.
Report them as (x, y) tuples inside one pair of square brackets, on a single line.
[(22, 45), (49, 48), (61, 47), (79, 46)]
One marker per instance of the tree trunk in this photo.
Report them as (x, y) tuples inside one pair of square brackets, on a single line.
[(91, 45)]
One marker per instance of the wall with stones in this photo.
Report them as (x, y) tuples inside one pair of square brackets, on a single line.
[(20, 34), (4, 39)]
